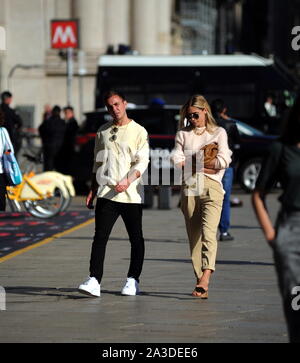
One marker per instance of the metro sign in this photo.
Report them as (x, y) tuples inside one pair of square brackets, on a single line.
[(64, 34)]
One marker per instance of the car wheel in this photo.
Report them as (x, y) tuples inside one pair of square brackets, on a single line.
[(248, 174)]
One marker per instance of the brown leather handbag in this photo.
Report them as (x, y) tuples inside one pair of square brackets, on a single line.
[(210, 152)]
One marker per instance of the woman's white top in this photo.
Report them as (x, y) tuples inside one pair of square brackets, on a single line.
[(5, 142)]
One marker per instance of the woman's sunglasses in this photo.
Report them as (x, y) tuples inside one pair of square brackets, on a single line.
[(193, 115)]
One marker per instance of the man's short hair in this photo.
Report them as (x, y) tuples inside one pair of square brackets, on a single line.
[(5, 95), (70, 108), (217, 106), (111, 93)]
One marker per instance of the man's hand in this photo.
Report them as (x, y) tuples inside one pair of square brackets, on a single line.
[(122, 185), (125, 183), (90, 198)]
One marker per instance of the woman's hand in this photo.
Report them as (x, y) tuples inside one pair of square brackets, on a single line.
[(211, 164), (270, 236), (210, 171), (258, 201)]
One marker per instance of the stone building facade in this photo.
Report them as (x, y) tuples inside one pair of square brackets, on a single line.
[(36, 74)]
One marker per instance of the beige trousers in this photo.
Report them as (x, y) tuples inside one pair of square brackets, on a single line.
[(202, 216)]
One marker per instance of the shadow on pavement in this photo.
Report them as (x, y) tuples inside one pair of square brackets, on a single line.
[(218, 262), (67, 293), (45, 291)]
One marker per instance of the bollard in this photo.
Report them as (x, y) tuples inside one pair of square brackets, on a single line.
[(148, 196), (164, 197), (2, 298)]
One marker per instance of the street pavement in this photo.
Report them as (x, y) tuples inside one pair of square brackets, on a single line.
[(43, 304)]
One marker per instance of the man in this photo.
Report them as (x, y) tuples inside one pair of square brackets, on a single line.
[(271, 117), (121, 156), (65, 157), (52, 132), (219, 111), (270, 108), (13, 122)]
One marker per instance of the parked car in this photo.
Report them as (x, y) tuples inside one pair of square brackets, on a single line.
[(254, 144), (161, 124)]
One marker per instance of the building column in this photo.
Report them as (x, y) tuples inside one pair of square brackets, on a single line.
[(62, 9), (117, 22), (145, 26), (91, 14), (164, 14)]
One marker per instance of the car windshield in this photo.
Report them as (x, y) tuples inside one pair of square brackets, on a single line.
[(248, 130)]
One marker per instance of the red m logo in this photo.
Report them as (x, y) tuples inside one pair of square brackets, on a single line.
[(64, 34)]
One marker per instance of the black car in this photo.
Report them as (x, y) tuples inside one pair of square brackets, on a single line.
[(161, 124), (254, 144)]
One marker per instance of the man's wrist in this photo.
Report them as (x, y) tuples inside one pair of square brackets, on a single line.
[(133, 176)]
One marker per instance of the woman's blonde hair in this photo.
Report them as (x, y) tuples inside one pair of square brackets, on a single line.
[(200, 102)]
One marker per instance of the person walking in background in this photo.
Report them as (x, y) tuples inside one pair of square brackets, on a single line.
[(2, 178), (269, 106), (47, 111), (270, 116), (120, 158), (65, 157), (52, 132), (13, 122), (219, 111), (201, 204), (282, 163)]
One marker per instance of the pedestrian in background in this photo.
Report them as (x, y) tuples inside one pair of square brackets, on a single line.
[(65, 157), (201, 208), (13, 122), (121, 156), (52, 132), (283, 164), (2, 146), (47, 111), (219, 111), (269, 106)]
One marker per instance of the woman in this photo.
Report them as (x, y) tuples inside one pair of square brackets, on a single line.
[(2, 179), (283, 164), (202, 192)]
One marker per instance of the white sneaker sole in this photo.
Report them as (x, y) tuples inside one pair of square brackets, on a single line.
[(124, 293), (88, 292)]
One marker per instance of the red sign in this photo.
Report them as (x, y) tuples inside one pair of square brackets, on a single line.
[(64, 34)]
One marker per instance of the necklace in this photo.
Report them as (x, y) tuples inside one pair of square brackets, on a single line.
[(199, 132)]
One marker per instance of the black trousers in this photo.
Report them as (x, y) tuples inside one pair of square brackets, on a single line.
[(287, 262), (106, 214)]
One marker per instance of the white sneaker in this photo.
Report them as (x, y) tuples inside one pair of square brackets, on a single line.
[(131, 287), (90, 287)]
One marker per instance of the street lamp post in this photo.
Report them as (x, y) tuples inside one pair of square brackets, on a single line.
[(81, 73), (69, 75)]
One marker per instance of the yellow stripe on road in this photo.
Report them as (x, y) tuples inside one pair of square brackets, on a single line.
[(45, 241)]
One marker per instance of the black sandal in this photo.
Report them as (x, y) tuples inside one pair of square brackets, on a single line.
[(200, 290)]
